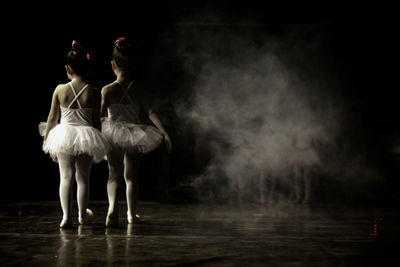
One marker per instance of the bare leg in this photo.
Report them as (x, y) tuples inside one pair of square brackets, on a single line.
[(132, 164), (83, 166), (66, 165), (115, 169)]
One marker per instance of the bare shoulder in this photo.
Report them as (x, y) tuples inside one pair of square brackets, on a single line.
[(60, 89), (107, 89)]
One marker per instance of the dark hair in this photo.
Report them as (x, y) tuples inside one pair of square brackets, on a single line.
[(79, 59), (123, 54)]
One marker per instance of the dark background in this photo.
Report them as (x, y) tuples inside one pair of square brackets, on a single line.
[(360, 50)]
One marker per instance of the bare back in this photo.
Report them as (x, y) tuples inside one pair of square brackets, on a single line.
[(88, 99), (114, 92)]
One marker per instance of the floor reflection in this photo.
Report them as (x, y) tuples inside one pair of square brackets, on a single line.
[(66, 245), (119, 245), (281, 235)]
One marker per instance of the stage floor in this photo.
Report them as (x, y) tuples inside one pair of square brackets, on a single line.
[(202, 235)]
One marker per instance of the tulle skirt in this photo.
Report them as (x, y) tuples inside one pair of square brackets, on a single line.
[(75, 140), (131, 137)]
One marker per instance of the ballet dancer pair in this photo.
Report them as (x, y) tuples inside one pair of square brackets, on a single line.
[(72, 135)]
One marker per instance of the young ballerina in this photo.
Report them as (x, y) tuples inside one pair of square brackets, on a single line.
[(74, 142), (120, 106)]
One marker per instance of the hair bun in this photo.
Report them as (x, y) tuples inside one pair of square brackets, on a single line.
[(77, 48), (122, 44), (79, 59), (119, 39)]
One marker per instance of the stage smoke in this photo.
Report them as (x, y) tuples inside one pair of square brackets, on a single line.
[(268, 117)]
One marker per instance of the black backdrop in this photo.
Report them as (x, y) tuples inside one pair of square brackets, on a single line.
[(34, 45)]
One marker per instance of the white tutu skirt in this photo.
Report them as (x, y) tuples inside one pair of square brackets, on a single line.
[(75, 140), (131, 137)]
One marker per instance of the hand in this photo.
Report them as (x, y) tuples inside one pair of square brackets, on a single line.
[(168, 143)]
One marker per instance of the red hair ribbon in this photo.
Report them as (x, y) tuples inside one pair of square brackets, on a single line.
[(119, 40)]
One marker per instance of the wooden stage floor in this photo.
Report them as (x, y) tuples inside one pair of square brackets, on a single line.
[(202, 235)]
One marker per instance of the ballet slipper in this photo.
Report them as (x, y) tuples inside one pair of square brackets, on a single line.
[(65, 223), (132, 220), (89, 215), (112, 219)]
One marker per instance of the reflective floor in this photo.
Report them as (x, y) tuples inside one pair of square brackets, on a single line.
[(202, 235)]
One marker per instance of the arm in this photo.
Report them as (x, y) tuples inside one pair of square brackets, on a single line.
[(154, 118), (104, 103), (54, 114)]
